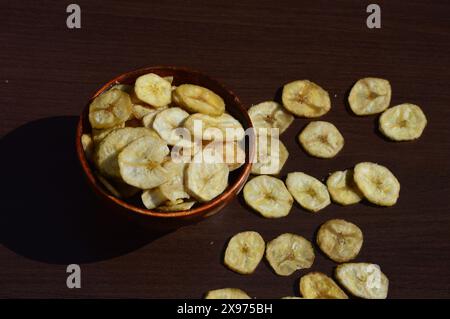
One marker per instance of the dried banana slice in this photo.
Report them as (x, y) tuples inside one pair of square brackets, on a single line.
[(230, 153), (305, 98), (268, 196), (148, 119), (377, 183), (271, 155), (340, 240), (316, 285), (140, 111), (152, 198), (363, 280), (403, 122), (288, 253), (270, 115), (173, 189), (308, 191), (177, 207), (109, 109), (206, 181), (140, 162), (321, 139), (343, 189), (218, 128), (227, 293), (153, 89), (370, 96), (197, 99), (88, 146), (167, 124), (244, 252)]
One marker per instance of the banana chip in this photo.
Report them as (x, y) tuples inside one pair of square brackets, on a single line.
[(271, 155), (308, 191), (227, 293), (343, 189), (148, 119), (152, 198), (305, 98), (153, 89), (197, 99), (88, 146), (321, 139), (363, 280), (244, 252), (167, 123), (270, 115), (377, 183), (340, 240), (109, 109), (230, 153), (316, 285), (403, 122), (218, 128), (370, 96), (268, 196), (288, 253), (206, 181), (140, 111), (177, 207), (173, 189)]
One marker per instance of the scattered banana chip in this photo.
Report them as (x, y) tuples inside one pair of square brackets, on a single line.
[(244, 252), (305, 98), (363, 280), (340, 240), (206, 181), (88, 146), (109, 109), (321, 139), (271, 155), (153, 89), (173, 189), (218, 128), (167, 123), (176, 207), (370, 96), (288, 253), (308, 191), (197, 99), (227, 293), (268, 196), (270, 115), (403, 122), (152, 198), (343, 189), (377, 183), (316, 285)]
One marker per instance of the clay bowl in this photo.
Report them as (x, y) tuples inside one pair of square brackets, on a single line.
[(132, 208)]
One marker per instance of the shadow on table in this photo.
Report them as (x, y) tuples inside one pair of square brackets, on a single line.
[(48, 211)]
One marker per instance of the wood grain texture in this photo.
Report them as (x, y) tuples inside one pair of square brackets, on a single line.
[(49, 218)]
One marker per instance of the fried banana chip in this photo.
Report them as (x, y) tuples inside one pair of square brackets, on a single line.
[(343, 189), (370, 96), (340, 240), (377, 183), (321, 139), (227, 293), (218, 128), (152, 198), (271, 155), (403, 122), (270, 115), (99, 134), (177, 207), (308, 191), (305, 98), (206, 181), (148, 119), (230, 153), (244, 252), (167, 123), (88, 146), (198, 99), (316, 285), (140, 111), (363, 280), (268, 196), (153, 90), (173, 189), (288, 253), (109, 109)]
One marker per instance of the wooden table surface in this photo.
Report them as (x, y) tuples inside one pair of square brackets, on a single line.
[(50, 219)]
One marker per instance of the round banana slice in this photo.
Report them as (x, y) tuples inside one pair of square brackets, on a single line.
[(88, 146), (288, 253), (206, 181), (167, 123), (153, 89), (340, 240), (270, 115), (321, 139), (370, 96), (377, 183), (363, 280), (227, 293), (230, 153), (268, 196), (173, 189), (244, 252), (271, 155), (218, 128), (316, 285), (197, 99), (140, 162), (305, 98), (343, 189), (308, 191), (148, 119), (403, 122), (152, 198), (140, 111), (109, 109), (176, 207)]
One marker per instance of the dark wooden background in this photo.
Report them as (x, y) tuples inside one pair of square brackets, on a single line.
[(50, 219)]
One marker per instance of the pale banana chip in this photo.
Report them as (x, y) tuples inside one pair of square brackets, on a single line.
[(370, 96), (321, 139), (152, 198), (316, 285), (363, 280), (288, 253), (343, 189), (177, 207), (148, 119), (270, 115), (153, 89), (403, 122), (268, 196), (173, 189), (377, 183), (308, 191), (340, 240), (230, 153), (109, 109), (244, 252), (206, 181), (140, 111), (100, 134), (218, 128), (88, 146), (271, 155), (167, 124), (227, 293), (305, 98), (198, 99)]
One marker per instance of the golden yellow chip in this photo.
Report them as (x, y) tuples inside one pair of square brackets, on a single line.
[(173, 189), (316, 285), (343, 189), (227, 293), (305, 98), (244, 252), (370, 96), (153, 89), (403, 122), (321, 139), (271, 155), (197, 99), (109, 109), (217, 128), (308, 191), (205, 181), (270, 115)]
